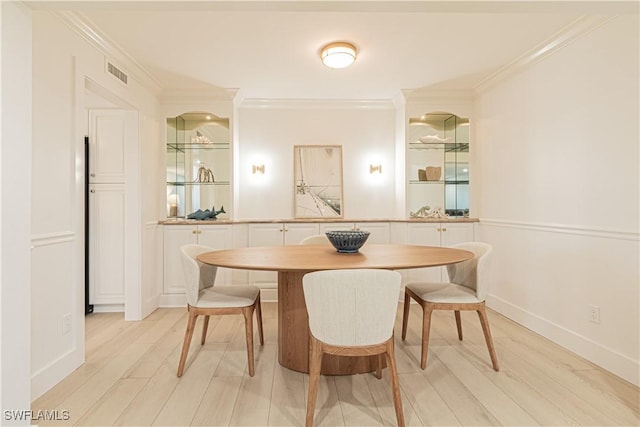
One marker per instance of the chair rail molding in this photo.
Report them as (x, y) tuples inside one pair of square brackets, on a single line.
[(577, 29), (604, 233), (52, 238)]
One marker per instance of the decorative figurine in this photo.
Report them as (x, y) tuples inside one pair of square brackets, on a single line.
[(206, 214), (423, 212), (426, 212), (204, 175)]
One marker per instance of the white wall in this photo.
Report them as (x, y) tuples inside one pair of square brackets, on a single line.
[(267, 132), (556, 187), (61, 61), (15, 210)]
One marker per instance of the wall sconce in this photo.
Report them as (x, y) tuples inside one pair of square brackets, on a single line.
[(375, 168), (258, 169)]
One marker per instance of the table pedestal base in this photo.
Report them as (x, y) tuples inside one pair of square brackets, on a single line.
[(293, 333)]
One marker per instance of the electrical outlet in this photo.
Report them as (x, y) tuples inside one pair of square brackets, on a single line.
[(66, 324), (594, 314)]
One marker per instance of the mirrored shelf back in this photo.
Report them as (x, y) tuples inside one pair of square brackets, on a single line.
[(198, 164)]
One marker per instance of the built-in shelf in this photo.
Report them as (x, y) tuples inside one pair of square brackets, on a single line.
[(438, 163), (198, 164)]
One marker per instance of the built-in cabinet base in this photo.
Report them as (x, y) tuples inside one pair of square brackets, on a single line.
[(229, 234)]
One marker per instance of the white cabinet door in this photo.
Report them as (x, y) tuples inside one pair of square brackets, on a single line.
[(335, 226), (424, 234), (174, 237), (379, 231), (452, 234), (276, 234), (106, 244), (269, 234), (294, 233), (265, 235), (217, 237), (109, 131)]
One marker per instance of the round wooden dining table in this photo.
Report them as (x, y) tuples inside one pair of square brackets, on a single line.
[(293, 262)]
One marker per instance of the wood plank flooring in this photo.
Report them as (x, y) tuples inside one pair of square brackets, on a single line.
[(129, 379)]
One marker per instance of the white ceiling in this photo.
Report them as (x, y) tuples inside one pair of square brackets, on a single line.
[(270, 49)]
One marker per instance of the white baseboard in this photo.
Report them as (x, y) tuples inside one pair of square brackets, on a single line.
[(108, 308), (608, 359), (47, 377), (172, 300)]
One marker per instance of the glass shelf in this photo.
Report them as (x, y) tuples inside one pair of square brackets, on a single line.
[(198, 183), (415, 181), (448, 146), (188, 146)]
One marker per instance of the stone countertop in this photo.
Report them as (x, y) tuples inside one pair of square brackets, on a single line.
[(183, 221)]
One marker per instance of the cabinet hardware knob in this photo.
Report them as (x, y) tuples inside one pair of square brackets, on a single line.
[(92, 190), (199, 231), (444, 229), (193, 231), (92, 174)]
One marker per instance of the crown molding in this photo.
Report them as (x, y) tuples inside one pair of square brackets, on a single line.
[(81, 25), (197, 95), (368, 104), (572, 32)]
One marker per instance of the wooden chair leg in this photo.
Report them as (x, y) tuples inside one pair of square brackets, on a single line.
[(426, 326), (247, 312), (204, 329), (458, 324), (315, 362), (379, 366), (395, 384), (405, 315), (484, 321), (259, 320), (191, 325)]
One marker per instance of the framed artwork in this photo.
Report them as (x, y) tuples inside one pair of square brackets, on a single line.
[(317, 175)]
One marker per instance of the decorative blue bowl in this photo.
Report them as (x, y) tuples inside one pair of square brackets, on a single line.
[(347, 241)]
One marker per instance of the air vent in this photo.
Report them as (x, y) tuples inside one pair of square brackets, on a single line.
[(118, 73)]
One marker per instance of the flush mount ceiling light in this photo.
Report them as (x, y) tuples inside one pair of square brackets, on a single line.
[(338, 54)]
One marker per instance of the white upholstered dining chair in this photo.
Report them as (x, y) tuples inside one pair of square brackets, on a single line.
[(467, 290), (316, 239), (205, 299), (351, 313)]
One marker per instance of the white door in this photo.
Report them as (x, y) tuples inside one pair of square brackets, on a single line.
[(106, 243), (107, 136), (114, 160)]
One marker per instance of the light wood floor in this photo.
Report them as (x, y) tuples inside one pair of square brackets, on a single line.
[(129, 378)]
